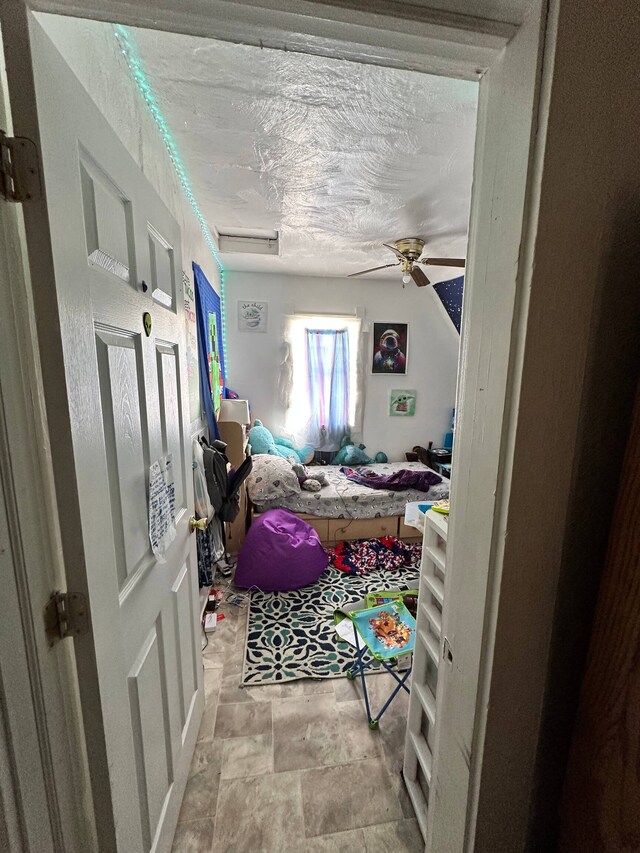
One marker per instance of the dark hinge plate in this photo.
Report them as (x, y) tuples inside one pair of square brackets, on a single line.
[(65, 615), (20, 179)]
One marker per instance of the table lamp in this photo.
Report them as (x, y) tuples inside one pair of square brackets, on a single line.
[(235, 410)]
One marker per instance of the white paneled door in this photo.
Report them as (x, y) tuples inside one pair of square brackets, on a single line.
[(116, 258)]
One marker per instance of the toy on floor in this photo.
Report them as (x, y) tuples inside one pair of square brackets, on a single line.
[(309, 479), (351, 454), (263, 441)]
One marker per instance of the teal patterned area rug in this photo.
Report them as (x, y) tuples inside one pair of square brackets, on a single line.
[(291, 635)]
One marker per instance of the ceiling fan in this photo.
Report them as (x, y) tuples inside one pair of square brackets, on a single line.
[(407, 252)]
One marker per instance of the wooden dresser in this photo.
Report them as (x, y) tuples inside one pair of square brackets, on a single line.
[(232, 434)]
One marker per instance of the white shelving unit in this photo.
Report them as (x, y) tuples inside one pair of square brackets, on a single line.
[(426, 660)]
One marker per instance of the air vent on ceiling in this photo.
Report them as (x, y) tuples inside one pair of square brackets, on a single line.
[(251, 241)]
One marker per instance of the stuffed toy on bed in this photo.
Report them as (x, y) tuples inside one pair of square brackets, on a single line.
[(351, 454), (309, 479), (262, 441)]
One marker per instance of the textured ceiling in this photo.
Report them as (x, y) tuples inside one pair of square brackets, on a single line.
[(336, 156)]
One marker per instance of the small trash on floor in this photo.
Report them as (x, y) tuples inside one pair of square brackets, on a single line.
[(210, 622)]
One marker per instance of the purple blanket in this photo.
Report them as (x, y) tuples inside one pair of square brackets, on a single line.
[(396, 482)]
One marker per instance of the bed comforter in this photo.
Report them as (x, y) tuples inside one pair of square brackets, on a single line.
[(343, 499)]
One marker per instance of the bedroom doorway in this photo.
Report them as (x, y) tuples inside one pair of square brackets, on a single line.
[(483, 385)]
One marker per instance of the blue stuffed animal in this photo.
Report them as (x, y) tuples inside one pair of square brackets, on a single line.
[(351, 454), (262, 441)]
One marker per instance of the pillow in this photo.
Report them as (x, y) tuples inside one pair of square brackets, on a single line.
[(271, 479)]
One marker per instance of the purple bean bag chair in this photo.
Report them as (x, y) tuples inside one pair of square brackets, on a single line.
[(281, 552)]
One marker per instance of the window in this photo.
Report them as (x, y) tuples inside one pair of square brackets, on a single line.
[(324, 398)]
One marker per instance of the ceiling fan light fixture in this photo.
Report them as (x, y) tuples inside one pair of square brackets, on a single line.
[(408, 252)]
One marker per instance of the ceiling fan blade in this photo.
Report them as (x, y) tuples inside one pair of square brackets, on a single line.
[(395, 251), (445, 262), (373, 269), (419, 277)]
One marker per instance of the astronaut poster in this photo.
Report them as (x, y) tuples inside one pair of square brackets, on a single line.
[(390, 348)]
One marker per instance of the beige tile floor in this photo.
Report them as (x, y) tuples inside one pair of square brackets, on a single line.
[(293, 768)]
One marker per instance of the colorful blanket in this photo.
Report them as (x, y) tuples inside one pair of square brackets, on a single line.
[(396, 482), (360, 556)]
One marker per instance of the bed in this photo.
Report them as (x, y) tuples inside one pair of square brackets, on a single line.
[(342, 509)]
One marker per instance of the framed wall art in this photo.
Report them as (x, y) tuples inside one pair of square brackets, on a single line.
[(252, 316), (402, 403), (390, 348)]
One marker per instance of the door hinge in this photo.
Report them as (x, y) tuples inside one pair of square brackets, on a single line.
[(66, 614), (20, 179)]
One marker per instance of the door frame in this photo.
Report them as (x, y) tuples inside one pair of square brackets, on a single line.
[(513, 59), (43, 772)]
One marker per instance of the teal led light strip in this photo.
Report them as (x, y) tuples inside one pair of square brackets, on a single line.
[(127, 45)]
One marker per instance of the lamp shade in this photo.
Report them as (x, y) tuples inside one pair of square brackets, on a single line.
[(235, 410)]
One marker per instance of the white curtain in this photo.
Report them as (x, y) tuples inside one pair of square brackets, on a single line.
[(293, 387), (362, 365)]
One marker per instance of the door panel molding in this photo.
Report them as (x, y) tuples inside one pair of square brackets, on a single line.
[(121, 375)]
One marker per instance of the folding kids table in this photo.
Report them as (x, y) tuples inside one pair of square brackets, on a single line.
[(384, 634)]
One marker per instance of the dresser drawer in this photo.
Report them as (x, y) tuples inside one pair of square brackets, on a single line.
[(320, 525), (406, 531), (362, 528)]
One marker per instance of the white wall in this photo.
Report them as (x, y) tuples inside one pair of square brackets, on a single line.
[(432, 358), (101, 68)]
